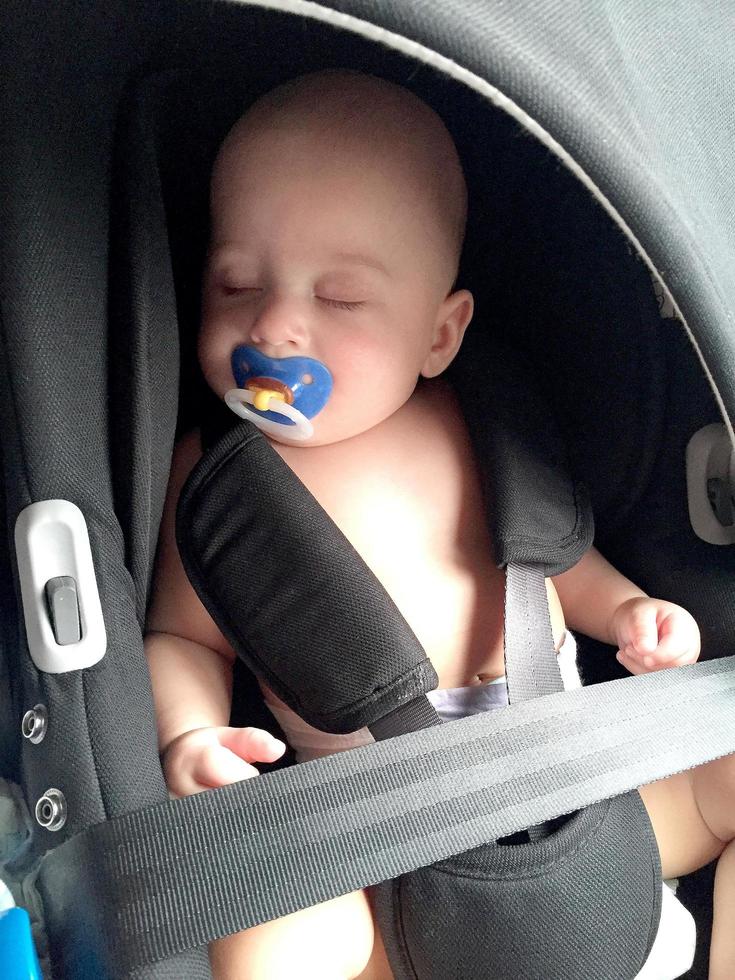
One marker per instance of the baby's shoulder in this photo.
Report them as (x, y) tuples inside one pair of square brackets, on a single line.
[(187, 453), (188, 448)]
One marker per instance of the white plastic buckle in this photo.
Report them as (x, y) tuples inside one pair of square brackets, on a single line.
[(710, 464), (52, 543)]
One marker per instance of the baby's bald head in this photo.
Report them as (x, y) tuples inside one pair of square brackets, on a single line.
[(338, 210), (388, 128)]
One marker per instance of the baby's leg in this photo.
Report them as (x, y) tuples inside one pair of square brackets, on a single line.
[(722, 953), (715, 794), (693, 817), (331, 941)]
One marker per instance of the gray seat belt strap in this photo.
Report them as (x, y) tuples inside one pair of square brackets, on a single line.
[(179, 874), (531, 667)]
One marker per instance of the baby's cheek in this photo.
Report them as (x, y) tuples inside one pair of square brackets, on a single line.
[(215, 352), (353, 347), (217, 375), (353, 368)]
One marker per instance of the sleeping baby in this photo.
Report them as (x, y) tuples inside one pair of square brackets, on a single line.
[(330, 312)]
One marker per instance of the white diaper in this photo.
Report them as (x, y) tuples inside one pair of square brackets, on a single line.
[(450, 703)]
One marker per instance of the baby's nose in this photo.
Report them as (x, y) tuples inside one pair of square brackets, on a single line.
[(279, 323)]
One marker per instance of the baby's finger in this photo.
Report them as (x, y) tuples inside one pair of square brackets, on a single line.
[(631, 663), (643, 630), (669, 652), (217, 766), (680, 626), (644, 661), (690, 657), (252, 744)]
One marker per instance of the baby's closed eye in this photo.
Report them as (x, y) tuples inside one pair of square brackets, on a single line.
[(341, 304), (236, 290)]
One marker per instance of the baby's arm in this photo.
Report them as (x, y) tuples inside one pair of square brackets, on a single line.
[(650, 633), (191, 670)]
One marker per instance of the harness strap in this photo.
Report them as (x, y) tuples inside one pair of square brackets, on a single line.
[(531, 665), (187, 871), (290, 592)]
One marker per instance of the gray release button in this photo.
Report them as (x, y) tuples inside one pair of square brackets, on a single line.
[(63, 608)]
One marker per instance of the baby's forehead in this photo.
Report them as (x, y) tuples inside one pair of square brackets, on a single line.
[(363, 124), (340, 111), (340, 100), (377, 160), (326, 167)]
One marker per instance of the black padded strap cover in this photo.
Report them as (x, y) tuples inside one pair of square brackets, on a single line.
[(540, 513), (290, 593)]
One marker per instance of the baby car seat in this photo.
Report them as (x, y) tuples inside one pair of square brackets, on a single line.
[(103, 235)]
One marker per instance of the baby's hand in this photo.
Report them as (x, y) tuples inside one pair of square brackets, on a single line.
[(652, 634), (207, 757)]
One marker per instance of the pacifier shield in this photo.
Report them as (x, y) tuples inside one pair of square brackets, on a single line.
[(304, 382)]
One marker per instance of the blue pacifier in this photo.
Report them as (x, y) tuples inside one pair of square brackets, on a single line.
[(278, 394)]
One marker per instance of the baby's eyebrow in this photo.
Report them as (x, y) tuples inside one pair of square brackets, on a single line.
[(224, 254), (359, 258)]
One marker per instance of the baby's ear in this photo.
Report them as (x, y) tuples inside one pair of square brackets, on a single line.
[(452, 320)]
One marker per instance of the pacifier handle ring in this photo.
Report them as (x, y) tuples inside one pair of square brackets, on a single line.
[(240, 400)]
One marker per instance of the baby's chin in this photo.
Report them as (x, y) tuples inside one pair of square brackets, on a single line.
[(324, 435), (315, 441)]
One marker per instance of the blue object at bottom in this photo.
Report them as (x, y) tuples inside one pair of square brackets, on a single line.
[(17, 953)]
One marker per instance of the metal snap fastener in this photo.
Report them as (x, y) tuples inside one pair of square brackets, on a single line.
[(35, 723), (51, 810)]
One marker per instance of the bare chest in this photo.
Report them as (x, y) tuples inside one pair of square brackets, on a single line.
[(407, 497), (443, 582)]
